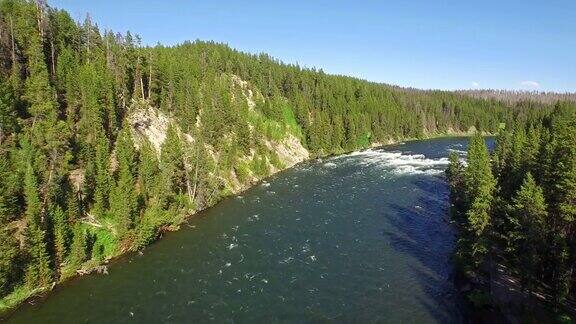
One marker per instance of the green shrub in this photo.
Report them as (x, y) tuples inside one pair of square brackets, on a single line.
[(242, 172)]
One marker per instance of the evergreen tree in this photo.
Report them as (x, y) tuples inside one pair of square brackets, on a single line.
[(124, 200), (149, 170), (37, 89), (79, 247), (9, 261), (9, 189), (32, 198), (8, 120), (455, 174), (529, 213), (479, 184), (174, 173), (62, 235), (103, 179), (39, 272)]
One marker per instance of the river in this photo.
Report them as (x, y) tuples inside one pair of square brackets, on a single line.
[(363, 237)]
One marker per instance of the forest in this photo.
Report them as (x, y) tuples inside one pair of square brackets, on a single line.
[(517, 206), (105, 143)]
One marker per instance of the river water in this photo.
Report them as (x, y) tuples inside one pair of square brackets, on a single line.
[(363, 237)]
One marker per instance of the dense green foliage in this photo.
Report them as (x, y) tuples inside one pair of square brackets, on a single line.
[(81, 181), (520, 204)]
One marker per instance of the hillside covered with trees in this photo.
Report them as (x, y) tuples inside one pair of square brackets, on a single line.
[(105, 143)]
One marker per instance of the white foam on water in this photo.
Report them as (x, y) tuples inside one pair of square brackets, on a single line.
[(330, 164), (401, 163), (459, 152), (287, 260)]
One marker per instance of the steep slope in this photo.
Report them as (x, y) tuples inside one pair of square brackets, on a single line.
[(150, 125)]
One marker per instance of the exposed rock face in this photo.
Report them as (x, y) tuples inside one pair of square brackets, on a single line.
[(151, 124), (76, 178), (290, 151), (251, 96)]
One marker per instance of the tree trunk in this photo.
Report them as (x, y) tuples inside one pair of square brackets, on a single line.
[(13, 42), (196, 172), (46, 189), (88, 29), (188, 186), (52, 57), (142, 87), (40, 19), (108, 55), (170, 95), (150, 78)]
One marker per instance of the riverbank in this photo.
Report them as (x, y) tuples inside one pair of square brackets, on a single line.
[(11, 302)]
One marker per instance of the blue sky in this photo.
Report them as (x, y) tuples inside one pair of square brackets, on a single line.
[(506, 44)]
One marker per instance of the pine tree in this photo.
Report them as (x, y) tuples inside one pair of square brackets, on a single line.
[(9, 189), (79, 247), (515, 167), (62, 235), (149, 170), (73, 206), (501, 155), (479, 184), (562, 197), (529, 213), (124, 200), (174, 174), (103, 179), (32, 198), (9, 259), (531, 150), (37, 89), (7, 111), (455, 174), (39, 272)]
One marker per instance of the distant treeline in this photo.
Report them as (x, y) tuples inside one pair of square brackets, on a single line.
[(510, 96)]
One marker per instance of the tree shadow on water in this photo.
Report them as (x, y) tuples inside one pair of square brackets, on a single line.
[(423, 232)]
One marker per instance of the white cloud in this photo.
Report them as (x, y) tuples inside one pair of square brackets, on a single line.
[(530, 84), (475, 84)]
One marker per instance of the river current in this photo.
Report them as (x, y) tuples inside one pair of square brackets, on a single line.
[(363, 237)]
